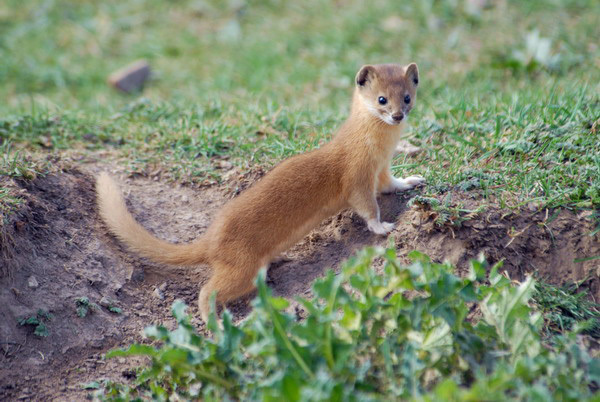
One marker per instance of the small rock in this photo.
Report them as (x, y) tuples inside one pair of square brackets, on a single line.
[(32, 282), (107, 302), (162, 286), (225, 165), (230, 175), (131, 78), (158, 293), (184, 198)]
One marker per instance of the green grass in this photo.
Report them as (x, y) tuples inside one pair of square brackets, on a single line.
[(565, 307), (504, 93), (15, 164)]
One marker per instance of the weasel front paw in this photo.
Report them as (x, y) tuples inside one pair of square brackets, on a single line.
[(380, 228), (408, 183)]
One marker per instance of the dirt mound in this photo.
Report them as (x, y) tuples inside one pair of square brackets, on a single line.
[(58, 240), (61, 253), (557, 246)]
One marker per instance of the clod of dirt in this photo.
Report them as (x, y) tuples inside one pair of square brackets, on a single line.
[(159, 291), (107, 302)]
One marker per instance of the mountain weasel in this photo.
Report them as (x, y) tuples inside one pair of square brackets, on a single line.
[(293, 198)]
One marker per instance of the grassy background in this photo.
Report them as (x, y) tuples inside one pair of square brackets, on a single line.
[(507, 106)]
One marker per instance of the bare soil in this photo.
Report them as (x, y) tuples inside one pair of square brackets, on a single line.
[(57, 239)]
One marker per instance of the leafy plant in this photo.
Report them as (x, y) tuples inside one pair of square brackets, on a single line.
[(37, 321), (91, 385), (85, 306), (415, 331)]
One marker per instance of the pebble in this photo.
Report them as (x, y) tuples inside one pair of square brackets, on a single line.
[(158, 293), (32, 282), (107, 302), (131, 78)]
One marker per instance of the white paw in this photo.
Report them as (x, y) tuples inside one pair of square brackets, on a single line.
[(408, 182), (380, 228)]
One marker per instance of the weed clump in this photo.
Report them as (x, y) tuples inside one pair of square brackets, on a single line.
[(85, 306), (37, 321)]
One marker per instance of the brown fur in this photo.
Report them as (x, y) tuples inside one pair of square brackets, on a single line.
[(292, 199)]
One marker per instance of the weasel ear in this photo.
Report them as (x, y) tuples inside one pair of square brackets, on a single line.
[(365, 74), (412, 73)]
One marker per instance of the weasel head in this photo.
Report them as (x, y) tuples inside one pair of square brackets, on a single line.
[(387, 91)]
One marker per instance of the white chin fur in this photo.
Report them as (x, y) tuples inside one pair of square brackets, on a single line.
[(385, 119)]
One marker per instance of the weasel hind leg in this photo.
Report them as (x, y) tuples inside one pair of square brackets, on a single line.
[(229, 283)]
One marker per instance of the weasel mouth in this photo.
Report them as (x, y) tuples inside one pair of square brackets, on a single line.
[(390, 121), (394, 119)]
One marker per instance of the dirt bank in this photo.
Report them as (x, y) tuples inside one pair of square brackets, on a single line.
[(61, 252)]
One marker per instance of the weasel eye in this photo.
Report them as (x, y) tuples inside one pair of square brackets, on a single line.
[(407, 99), (382, 100)]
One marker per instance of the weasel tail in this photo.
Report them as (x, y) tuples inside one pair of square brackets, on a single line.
[(121, 223)]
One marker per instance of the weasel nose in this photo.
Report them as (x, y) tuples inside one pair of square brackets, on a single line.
[(398, 116)]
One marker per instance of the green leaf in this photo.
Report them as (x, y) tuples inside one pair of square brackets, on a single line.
[(91, 385), (82, 311), (115, 310), (133, 350), (178, 310), (417, 256), (41, 330), (279, 303), (33, 320)]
